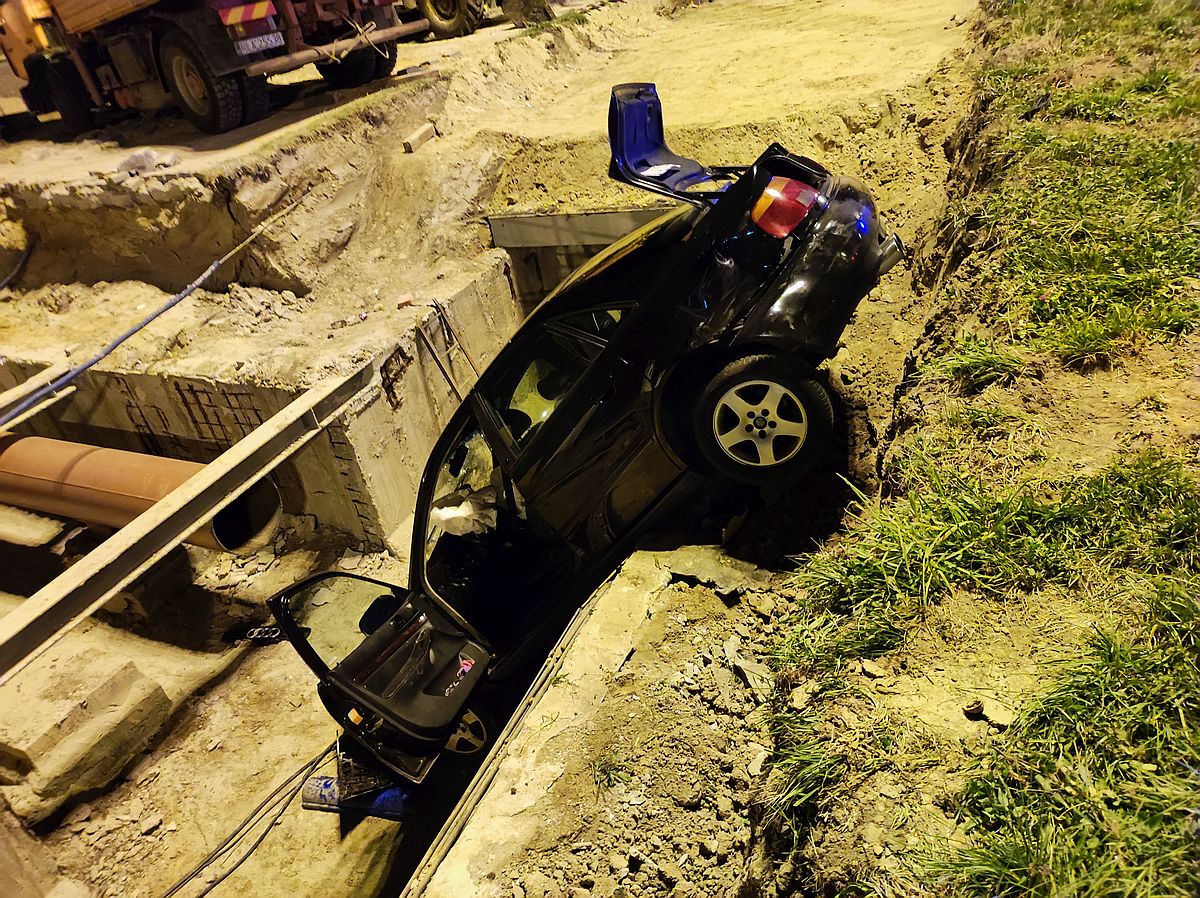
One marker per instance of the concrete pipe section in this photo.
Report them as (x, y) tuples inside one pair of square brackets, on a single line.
[(112, 487)]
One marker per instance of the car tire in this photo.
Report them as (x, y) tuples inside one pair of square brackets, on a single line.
[(256, 99), (385, 62), (211, 102), (762, 420), (70, 97), (451, 18), (355, 69)]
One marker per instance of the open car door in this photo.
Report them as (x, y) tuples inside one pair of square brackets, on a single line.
[(393, 669)]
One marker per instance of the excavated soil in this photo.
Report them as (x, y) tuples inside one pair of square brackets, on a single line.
[(660, 797), (522, 124)]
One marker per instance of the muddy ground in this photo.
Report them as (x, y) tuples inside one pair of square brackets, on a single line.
[(661, 795)]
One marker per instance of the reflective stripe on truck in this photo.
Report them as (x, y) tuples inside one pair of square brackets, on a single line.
[(248, 12)]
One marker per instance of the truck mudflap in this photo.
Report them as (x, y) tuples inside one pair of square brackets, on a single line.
[(277, 64)]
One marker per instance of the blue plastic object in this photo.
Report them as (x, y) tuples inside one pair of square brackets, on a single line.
[(640, 155), (324, 793)]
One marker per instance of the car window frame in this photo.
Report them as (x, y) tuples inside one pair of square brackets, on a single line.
[(513, 451), (506, 451)]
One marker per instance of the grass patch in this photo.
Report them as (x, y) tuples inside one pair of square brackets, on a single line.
[(1092, 241), (556, 24), (609, 770), (802, 768), (984, 422), (1096, 789), (975, 363), (952, 531)]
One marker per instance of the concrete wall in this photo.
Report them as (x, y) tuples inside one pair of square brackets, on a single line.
[(360, 476)]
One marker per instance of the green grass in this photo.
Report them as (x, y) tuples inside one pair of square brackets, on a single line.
[(802, 768), (984, 422), (975, 362), (558, 23), (951, 531), (608, 770), (1095, 791), (1093, 245), (1098, 242)]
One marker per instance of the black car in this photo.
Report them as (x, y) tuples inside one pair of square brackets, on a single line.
[(685, 351)]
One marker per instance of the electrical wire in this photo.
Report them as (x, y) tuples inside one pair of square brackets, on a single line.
[(38, 395), (20, 266), (277, 801)]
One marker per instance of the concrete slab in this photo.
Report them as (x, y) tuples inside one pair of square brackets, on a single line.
[(79, 714)]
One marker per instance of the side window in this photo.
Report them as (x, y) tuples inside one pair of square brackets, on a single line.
[(551, 364)]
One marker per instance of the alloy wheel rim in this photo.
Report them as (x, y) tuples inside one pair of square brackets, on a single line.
[(759, 423)]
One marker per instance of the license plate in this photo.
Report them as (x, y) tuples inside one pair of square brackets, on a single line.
[(257, 44)]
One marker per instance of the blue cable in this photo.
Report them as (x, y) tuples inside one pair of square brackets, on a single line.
[(54, 386)]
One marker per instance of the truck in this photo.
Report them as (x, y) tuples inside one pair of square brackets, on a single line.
[(211, 58)]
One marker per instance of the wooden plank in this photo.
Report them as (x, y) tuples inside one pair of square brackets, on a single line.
[(75, 594), (9, 398), (569, 229), (82, 15)]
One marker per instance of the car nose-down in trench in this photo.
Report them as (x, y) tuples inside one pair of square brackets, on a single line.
[(684, 353)]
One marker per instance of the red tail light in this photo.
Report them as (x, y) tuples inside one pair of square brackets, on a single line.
[(783, 206)]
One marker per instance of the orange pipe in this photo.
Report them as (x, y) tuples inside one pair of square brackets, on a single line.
[(112, 487)]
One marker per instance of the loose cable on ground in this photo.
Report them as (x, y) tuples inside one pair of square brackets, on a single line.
[(38, 395), (20, 266), (279, 799)]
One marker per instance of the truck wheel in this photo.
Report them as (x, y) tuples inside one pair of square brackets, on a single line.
[(385, 63), (211, 102), (256, 101), (69, 95), (355, 69), (451, 18), (762, 420)]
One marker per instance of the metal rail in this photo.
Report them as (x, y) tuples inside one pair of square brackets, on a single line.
[(39, 621), (335, 50)]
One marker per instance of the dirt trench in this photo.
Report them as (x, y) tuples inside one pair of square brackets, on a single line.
[(642, 813)]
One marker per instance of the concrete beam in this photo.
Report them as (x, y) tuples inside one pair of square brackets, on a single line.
[(86, 586), (569, 229)]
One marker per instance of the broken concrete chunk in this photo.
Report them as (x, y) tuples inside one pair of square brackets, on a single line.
[(149, 823), (709, 566), (755, 674), (800, 697), (763, 604), (998, 715), (59, 749), (422, 135), (758, 761)]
